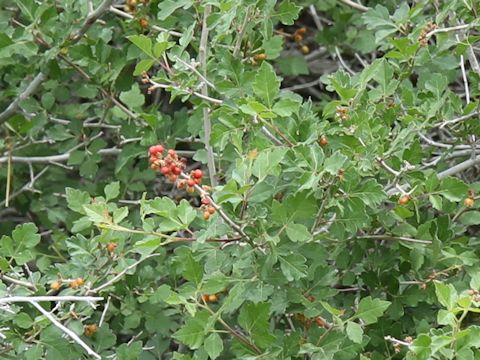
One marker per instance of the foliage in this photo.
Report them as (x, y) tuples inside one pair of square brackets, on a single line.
[(339, 141)]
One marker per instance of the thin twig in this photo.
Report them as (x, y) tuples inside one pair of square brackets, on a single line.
[(399, 238), (459, 167), (448, 29), (241, 33), (191, 67), (104, 312), (458, 119), (355, 5), (18, 282), (27, 186)]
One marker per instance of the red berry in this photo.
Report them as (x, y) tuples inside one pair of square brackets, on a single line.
[(197, 174), (172, 177), (190, 183), (176, 170), (198, 181), (172, 153), (205, 201), (165, 170), (153, 158)]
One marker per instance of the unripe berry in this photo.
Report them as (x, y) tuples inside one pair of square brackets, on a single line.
[(197, 174), (211, 210), (323, 141), (172, 177), (404, 199), (111, 246), (468, 202), (190, 189), (260, 57), (212, 297), (56, 285), (143, 23), (206, 215), (205, 297), (305, 49), (301, 30), (205, 201)]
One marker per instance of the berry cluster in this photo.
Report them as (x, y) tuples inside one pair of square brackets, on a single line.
[(307, 322), (422, 39), (89, 330), (170, 166), (208, 209), (298, 38), (342, 112), (194, 179)]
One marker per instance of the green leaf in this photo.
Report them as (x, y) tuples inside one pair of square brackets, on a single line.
[(453, 189), (335, 162), (470, 218), (112, 190), (193, 270), (193, 331), (26, 235), (446, 294), (369, 310), (133, 98), (354, 332), (213, 345), (168, 7), (293, 266), (254, 319), (298, 232), (143, 66), (287, 12), (143, 42), (130, 351), (267, 162), (266, 85), (76, 199)]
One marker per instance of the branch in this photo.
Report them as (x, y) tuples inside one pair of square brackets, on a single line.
[(66, 330), (400, 238), (355, 5), (27, 186), (19, 299), (29, 90), (90, 20), (459, 167), (64, 157), (207, 125), (18, 282)]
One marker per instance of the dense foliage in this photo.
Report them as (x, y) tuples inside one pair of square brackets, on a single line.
[(314, 196)]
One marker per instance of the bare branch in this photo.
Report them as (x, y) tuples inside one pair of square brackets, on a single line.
[(399, 238), (21, 299), (91, 18), (29, 90), (448, 29), (207, 125)]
